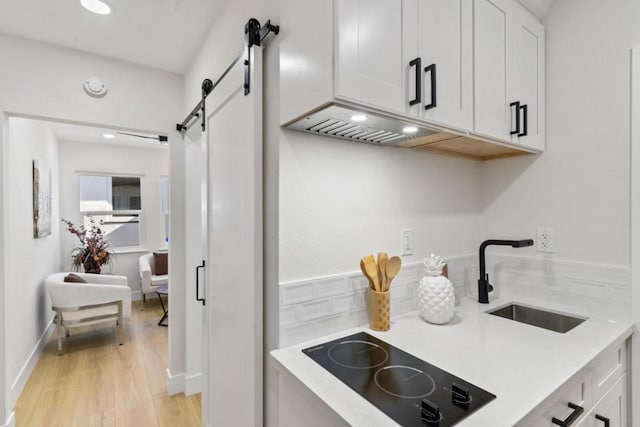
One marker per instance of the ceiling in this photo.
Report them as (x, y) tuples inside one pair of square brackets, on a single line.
[(163, 34), (89, 134)]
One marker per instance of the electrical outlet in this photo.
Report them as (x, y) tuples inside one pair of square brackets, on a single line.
[(406, 242), (544, 241)]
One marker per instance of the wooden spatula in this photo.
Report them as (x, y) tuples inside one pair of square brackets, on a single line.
[(372, 271), (393, 267), (364, 271), (382, 269)]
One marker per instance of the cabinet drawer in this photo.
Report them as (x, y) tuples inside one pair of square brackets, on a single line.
[(558, 405), (606, 370)]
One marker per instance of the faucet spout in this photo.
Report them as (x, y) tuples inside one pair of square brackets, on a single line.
[(484, 287)]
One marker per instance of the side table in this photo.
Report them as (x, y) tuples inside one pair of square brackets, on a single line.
[(163, 290)]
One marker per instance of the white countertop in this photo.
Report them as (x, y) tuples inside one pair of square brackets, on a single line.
[(521, 364)]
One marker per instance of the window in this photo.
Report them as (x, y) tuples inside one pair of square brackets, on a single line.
[(115, 203)]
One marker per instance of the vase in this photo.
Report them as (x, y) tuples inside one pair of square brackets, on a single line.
[(436, 297), (92, 268), (436, 300)]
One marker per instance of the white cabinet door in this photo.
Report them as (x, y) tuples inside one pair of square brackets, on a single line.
[(611, 410), (445, 47), (369, 63), (528, 56), (492, 68)]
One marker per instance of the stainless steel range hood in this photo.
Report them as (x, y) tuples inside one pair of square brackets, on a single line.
[(355, 124)]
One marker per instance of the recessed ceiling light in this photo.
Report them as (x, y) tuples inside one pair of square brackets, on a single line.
[(409, 129), (108, 136), (358, 118), (96, 6)]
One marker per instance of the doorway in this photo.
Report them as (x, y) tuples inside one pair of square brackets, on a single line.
[(70, 151)]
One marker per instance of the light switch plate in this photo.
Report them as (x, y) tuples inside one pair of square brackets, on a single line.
[(406, 242)]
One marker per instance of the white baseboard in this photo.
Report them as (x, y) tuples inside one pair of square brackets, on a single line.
[(175, 383), (18, 384), (11, 421), (192, 384)]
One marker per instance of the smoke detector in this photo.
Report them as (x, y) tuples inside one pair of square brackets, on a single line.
[(95, 87)]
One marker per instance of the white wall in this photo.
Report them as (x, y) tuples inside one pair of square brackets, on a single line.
[(340, 201), (77, 158), (580, 185), (45, 81), (29, 260)]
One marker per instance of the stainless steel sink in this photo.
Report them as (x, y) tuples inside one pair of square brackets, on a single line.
[(538, 317)]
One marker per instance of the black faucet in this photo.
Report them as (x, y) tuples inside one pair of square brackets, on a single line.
[(484, 287)]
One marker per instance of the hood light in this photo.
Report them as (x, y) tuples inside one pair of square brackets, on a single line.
[(358, 118), (409, 129), (96, 6)]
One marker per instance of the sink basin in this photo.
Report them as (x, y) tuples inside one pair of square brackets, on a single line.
[(538, 317)]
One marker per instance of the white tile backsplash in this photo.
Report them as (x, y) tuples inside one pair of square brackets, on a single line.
[(316, 307)]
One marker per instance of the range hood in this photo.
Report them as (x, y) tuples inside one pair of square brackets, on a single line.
[(354, 123), (345, 122)]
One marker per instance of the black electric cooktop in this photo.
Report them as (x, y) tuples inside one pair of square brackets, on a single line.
[(407, 389)]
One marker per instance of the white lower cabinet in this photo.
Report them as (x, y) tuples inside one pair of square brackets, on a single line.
[(611, 410), (595, 397)]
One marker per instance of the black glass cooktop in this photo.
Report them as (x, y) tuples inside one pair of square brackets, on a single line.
[(407, 389)]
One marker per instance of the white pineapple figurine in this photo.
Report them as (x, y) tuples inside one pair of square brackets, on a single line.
[(436, 298)]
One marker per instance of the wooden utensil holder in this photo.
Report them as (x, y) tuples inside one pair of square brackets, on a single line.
[(379, 317)]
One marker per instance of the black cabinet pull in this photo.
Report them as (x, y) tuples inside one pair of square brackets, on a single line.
[(574, 415), (432, 70), (418, 64), (517, 115), (524, 120), (605, 420), (198, 283)]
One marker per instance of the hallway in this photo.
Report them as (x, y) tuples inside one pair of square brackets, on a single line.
[(96, 383)]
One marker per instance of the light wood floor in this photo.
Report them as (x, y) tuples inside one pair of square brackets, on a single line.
[(98, 383)]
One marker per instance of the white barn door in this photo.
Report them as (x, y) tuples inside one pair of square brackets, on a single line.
[(233, 272)]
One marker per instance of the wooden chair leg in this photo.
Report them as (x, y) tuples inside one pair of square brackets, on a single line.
[(119, 324), (59, 328)]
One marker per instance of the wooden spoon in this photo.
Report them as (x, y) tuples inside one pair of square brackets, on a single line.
[(372, 271), (382, 269), (393, 267), (364, 272)]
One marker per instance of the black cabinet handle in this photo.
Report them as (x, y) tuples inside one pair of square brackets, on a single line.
[(517, 115), (574, 415), (198, 283), (524, 120), (605, 420), (418, 64), (432, 70)]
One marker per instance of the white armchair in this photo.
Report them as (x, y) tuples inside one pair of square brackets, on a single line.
[(149, 280), (103, 299)]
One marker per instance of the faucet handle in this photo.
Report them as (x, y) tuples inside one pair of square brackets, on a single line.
[(489, 285)]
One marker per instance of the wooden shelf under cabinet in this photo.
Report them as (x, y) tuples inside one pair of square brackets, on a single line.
[(457, 145)]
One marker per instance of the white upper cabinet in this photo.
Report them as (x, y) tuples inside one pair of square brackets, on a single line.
[(508, 73), (407, 56), (369, 56), (492, 67), (444, 45), (471, 70), (529, 78)]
